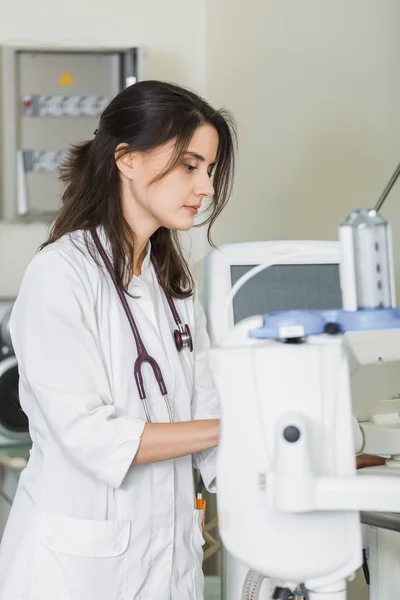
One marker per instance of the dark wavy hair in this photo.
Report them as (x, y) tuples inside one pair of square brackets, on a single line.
[(144, 116)]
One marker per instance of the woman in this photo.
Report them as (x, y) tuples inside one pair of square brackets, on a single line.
[(105, 509)]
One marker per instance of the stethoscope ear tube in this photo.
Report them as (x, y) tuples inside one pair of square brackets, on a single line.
[(182, 335)]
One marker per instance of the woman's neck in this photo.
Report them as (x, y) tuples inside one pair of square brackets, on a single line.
[(139, 256)]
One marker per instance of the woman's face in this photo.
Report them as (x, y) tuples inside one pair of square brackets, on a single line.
[(174, 200)]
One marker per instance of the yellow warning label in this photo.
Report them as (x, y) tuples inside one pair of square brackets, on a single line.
[(66, 79)]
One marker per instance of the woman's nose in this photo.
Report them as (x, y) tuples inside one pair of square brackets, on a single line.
[(205, 188)]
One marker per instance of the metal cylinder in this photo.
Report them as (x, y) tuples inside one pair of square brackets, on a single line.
[(389, 521), (366, 269)]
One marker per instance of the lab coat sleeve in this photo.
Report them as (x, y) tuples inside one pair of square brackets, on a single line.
[(52, 329), (205, 403)]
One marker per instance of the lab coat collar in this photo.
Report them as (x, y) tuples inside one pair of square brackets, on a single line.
[(147, 259)]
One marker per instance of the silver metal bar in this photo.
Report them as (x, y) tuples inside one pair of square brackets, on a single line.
[(389, 521), (168, 403), (387, 189), (146, 410)]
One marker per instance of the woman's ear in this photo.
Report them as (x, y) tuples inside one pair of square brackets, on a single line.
[(124, 162)]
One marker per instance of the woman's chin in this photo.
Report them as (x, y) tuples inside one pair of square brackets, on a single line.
[(180, 224)]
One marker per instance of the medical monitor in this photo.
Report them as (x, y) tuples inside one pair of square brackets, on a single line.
[(286, 287), (306, 276)]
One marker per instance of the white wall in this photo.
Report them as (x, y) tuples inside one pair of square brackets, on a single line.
[(315, 88), (174, 33)]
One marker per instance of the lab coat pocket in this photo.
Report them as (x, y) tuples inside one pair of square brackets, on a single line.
[(79, 559), (197, 545)]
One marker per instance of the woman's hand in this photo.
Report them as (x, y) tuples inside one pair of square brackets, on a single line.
[(369, 460)]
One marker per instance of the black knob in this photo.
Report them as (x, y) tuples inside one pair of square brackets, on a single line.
[(291, 434), (332, 328)]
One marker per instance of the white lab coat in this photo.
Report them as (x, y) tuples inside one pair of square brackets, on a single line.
[(86, 524)]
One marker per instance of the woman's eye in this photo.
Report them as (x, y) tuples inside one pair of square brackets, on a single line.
[(190, 167)]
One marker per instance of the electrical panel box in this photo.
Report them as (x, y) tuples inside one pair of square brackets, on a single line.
[(51, 98)]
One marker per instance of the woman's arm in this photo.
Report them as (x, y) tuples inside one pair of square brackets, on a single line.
[(163, 441), (60, 362)]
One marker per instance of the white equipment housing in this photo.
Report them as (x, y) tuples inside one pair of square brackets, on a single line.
[(223, 267), (306, 492), (290, 510)]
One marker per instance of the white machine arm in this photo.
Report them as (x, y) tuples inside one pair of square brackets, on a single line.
[(293, 470)]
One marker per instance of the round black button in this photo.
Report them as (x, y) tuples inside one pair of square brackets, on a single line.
[(332, 328), (291, 434)]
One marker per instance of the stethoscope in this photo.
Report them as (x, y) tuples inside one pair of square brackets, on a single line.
[(182, 336)]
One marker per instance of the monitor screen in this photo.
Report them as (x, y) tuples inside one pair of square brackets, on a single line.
[(287, 287)]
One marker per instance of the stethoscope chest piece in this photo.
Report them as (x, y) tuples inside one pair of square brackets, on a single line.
[(183, 337)]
